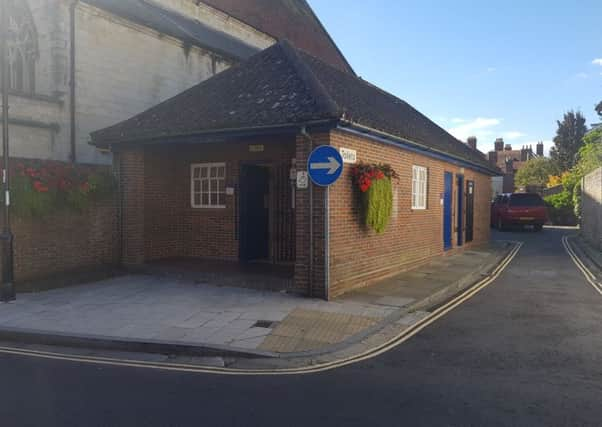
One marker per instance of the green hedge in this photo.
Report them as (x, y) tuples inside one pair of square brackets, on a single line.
[(560, 209)]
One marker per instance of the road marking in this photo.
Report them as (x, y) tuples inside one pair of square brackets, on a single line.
[(589, 276), (369, 354)]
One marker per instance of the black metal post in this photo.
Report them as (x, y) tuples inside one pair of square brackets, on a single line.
[(7, 287)]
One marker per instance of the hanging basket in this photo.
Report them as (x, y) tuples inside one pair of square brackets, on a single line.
[(375, 185)]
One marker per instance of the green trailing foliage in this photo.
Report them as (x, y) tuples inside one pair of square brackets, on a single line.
[(378, 204), (374, 181)]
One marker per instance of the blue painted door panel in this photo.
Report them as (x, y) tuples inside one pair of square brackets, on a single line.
[(447, 211), (460, 227)]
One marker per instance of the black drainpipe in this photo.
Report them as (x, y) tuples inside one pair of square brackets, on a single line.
[(72, 155), (310, 145)]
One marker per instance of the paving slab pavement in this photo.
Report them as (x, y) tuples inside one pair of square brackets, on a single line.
[(181, 312)]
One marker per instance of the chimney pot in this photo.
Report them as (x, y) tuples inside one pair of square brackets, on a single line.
[(540, 149), (499, 144), (472, 142)]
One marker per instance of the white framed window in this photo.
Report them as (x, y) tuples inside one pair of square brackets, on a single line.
[(208, 185), (419, 187)]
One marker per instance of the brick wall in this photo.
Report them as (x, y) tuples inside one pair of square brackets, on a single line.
[(591, 223), (66, 242), (159, 222), (303, 278), (359, 256)]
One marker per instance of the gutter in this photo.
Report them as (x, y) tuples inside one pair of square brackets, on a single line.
[(310, 144), (193, 137), (386, 138), (340, 124)]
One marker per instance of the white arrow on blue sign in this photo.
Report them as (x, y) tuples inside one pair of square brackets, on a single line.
[(325, 165)]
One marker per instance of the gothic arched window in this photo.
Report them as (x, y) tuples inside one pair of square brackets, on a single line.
[(22, 47)]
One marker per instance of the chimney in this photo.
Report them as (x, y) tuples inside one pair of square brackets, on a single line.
[(499, 144), (472, 142), (509, 166), (540, 149), (524, 154), (493, 157), (508, 147)]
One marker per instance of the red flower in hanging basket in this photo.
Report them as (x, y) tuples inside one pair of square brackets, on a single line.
[(365, 174), (40, 187)]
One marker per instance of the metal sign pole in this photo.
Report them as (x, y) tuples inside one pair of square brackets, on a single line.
[(7, 289)]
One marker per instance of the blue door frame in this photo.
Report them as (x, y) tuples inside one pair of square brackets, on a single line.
[(447, 211), (460, 227)]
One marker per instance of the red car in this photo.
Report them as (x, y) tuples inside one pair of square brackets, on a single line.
[(518, 209)]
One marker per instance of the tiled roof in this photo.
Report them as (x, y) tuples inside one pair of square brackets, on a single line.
[(284, 86), (291, 20), (150, 14)]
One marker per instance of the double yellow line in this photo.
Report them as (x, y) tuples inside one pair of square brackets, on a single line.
[(589, 276), (327, 366)]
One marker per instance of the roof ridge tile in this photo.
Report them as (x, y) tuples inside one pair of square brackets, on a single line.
[(312, 83)]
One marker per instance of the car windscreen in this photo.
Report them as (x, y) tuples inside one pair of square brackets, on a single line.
[(526, 200)]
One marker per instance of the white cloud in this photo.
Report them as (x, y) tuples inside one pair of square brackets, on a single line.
[(491, 70), (457, 120), (581, 75), (513, 135), (597, 61), (479, 127)]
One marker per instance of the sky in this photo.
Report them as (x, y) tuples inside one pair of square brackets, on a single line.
[(507, 69)]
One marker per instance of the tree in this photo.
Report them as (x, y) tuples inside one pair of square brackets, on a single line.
[(568, 140), (590, 155), (536, 172), (599, 109)]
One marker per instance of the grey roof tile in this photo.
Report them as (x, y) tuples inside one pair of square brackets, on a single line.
[(285, 86)]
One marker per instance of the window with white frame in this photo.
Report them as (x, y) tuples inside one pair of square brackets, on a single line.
[(419, 187), (208, 185)]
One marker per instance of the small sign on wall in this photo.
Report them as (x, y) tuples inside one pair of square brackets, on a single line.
[(230, 191), (302, 180), (259, 148), (348, 155)]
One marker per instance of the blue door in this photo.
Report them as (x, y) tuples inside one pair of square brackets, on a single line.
[(447, 211), (460, 227)]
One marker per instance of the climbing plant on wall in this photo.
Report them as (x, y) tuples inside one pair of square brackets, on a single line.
[(374, 181), (43, 187)]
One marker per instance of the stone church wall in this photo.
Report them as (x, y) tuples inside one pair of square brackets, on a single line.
[(122, 69)]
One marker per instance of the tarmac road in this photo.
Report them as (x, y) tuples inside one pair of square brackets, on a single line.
[(527, 350)]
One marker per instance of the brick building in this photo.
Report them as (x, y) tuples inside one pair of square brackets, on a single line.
[(206, 174), (510, 161)]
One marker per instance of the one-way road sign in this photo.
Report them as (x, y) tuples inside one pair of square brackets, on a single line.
[(325, 165)]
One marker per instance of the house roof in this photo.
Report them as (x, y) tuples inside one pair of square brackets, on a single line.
[(283, 86), (513, 155), (191, 31), (292, 20)]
